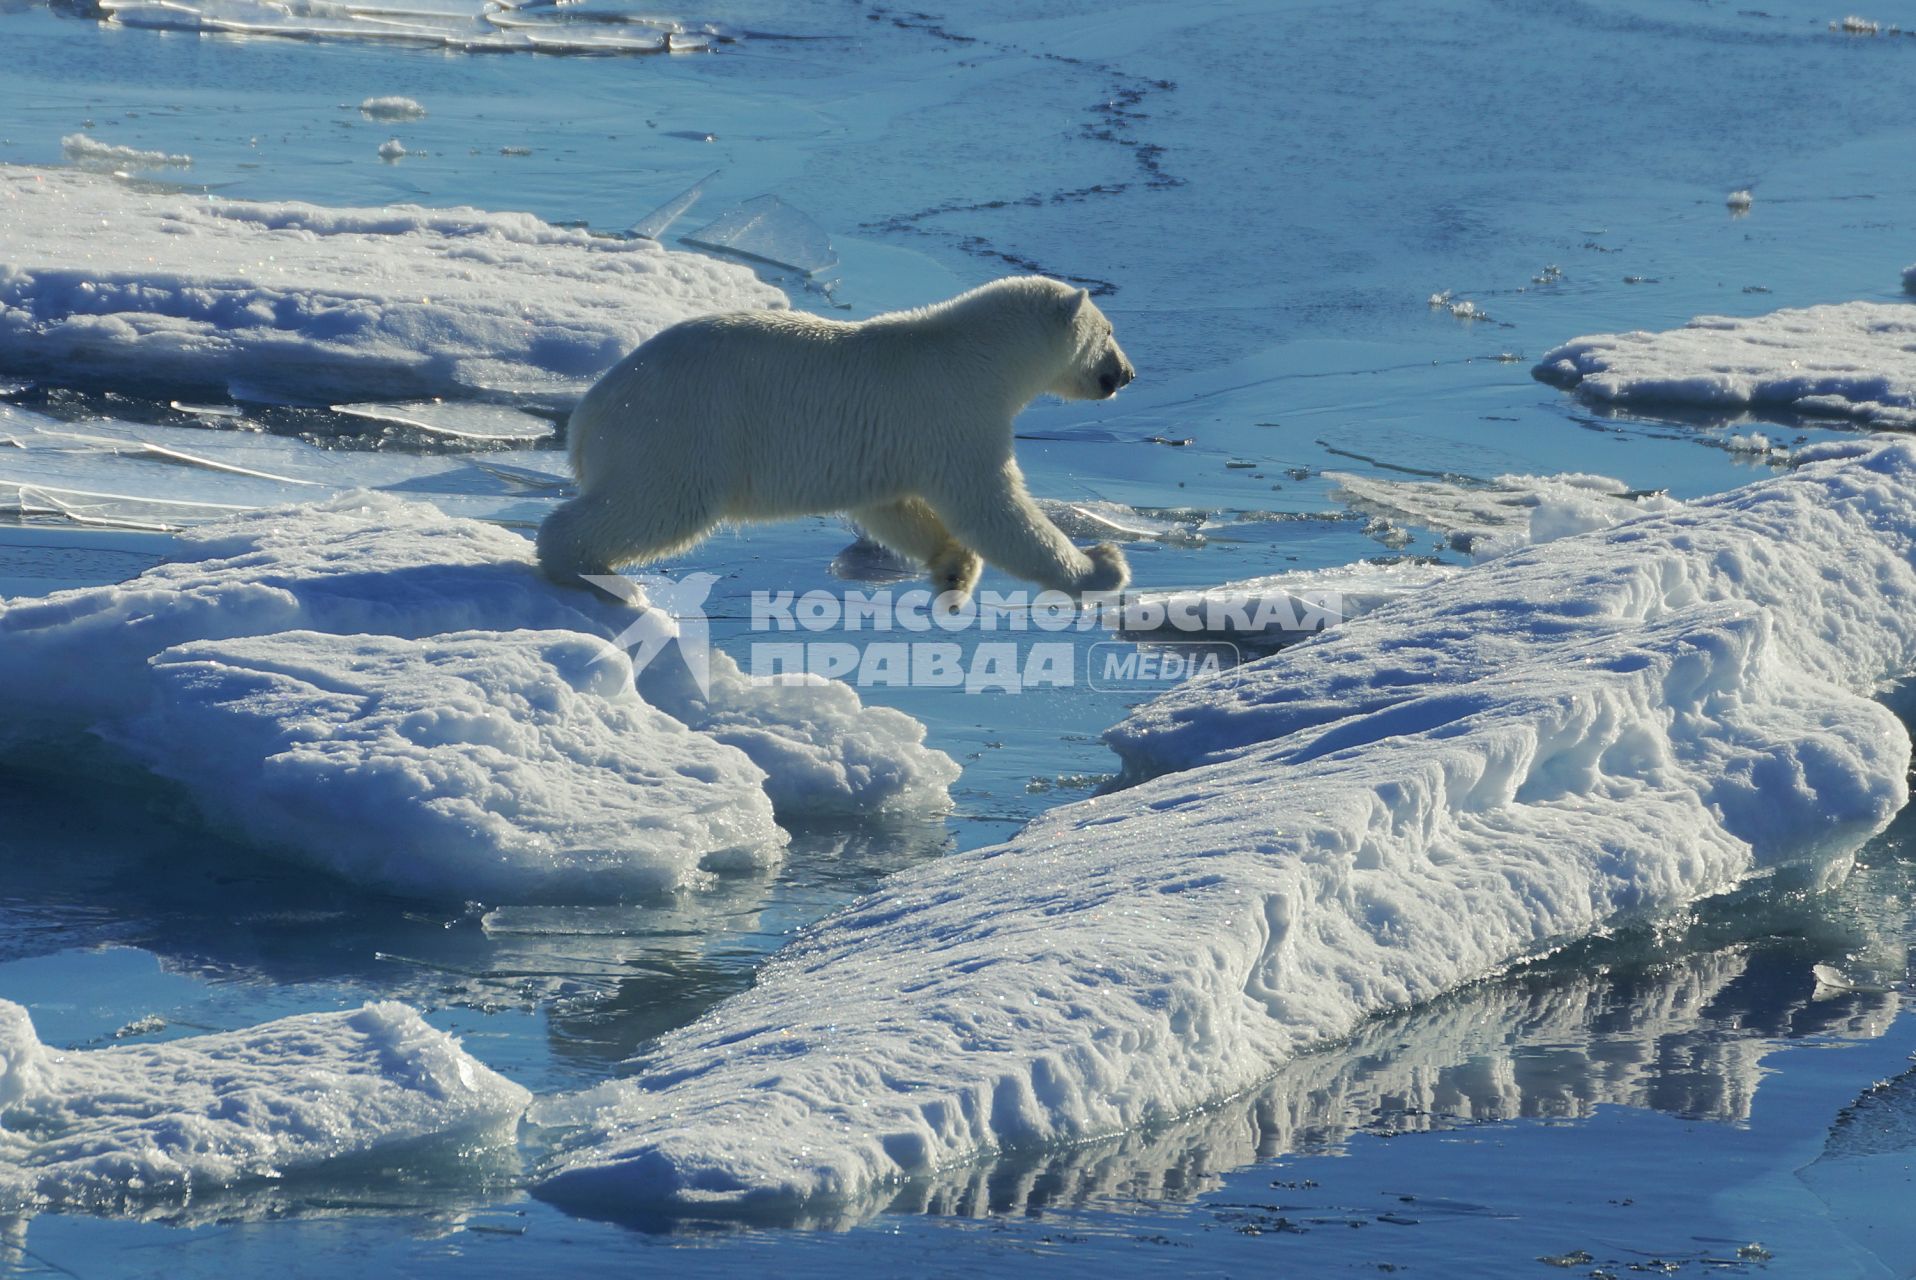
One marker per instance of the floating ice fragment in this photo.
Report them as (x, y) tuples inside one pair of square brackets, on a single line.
[(1856, 26), (463, 421), (207, 410), (393, 108), (654, 224), (392, 149), (106, 1129), (1738, 201), (1909, 278), (767, 229), (1753, 442), (82, 149)]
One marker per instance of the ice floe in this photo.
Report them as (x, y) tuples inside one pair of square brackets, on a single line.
[(195, 295), (519, 766), (368, 566), (527, 26), (1603, 728), (84, 149), (98, 1129), (1909, 278), (1847, 360)]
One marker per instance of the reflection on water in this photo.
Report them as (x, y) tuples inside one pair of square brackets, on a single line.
[(1685, 1036)]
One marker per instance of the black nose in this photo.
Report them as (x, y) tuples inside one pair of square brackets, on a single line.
[(1108, 383)]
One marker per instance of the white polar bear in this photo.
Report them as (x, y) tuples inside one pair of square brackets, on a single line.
[(903, 420)]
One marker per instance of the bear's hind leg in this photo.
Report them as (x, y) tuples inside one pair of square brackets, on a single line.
[(909, 526), (592, 535)]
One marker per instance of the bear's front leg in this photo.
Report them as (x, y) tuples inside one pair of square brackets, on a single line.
[(994, 516)]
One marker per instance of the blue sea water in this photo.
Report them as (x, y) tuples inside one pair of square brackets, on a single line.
[(1264, 196)]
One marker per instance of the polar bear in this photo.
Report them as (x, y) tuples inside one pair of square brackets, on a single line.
[(903, 421)]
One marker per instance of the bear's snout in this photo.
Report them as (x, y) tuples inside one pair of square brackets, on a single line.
[(1117, 376)]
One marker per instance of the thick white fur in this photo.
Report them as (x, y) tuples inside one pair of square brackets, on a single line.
[(903, 420)]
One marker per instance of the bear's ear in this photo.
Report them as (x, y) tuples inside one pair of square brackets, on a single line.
[(1073, 302)]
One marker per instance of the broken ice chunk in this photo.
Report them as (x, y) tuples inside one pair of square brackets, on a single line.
[(654, 224), (769, 230), (464, 421)]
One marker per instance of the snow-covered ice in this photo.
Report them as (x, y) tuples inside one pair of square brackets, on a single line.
[(1738, 201), (97, 1129), (392, 149), (1602, 728), (193, 295), (1850, 360), (372, 565), (519, 766)]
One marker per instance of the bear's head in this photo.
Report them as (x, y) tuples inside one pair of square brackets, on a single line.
[(1098, 366)]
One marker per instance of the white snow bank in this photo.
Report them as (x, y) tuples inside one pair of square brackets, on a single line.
[(84, 149), (193, 295), (1853, 359), (1544, 757), (376, 565), (515, 766), (98, 1128)]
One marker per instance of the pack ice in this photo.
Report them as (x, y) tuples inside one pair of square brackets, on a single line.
[(1607, 726), (199, 295), (97, 1128), (1850, 360), (399, 696)]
